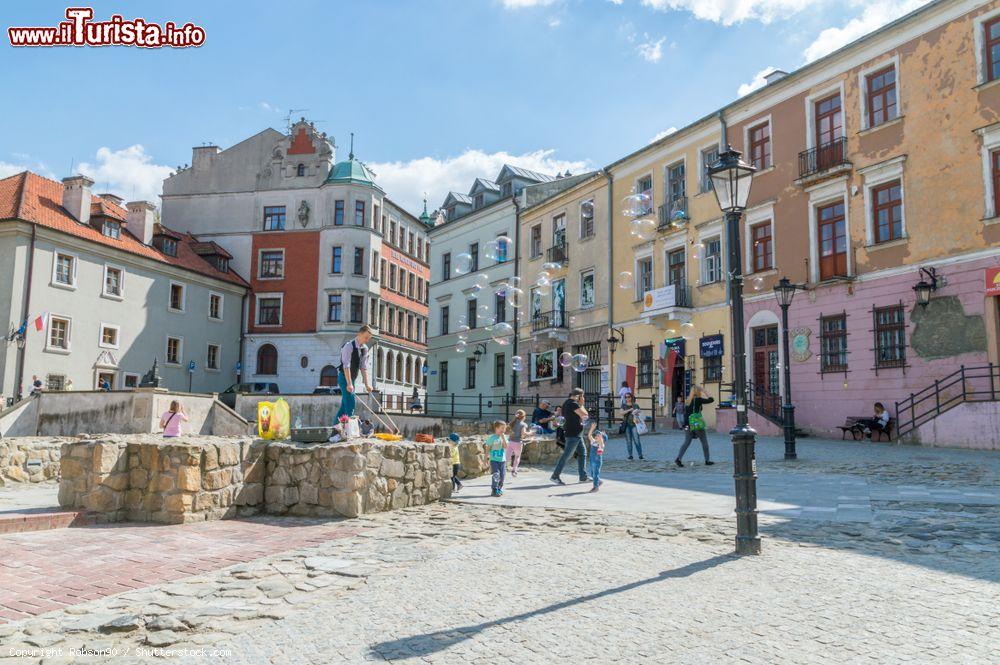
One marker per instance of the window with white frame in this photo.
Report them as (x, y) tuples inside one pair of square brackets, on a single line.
[(64, 270), (644, 277), (174, 350), (271, 264), (177, 296), (709, 156), (113, 281), (212, 357), (215, 306), (269, 310), (587, 289), (884, 206), (644, 187), (712, 260), (109, 336), (587, 219), (990, 137), (59, 333)]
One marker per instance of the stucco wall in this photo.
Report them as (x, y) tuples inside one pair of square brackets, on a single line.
[(969, 425)]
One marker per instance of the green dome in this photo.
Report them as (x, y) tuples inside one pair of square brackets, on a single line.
[(351, 171)]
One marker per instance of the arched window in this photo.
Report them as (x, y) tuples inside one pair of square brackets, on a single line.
[(409, 370), (300, 170), (328, 376), (388, 366), (399, 367), (267, 360), (379, 361)]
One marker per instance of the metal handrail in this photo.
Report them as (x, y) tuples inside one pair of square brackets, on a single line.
[(666, 211), (970, 379), (823, 157), (558, 253), (555, 318)]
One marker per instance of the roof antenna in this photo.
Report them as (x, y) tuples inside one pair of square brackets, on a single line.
[(72, 161), (351, 155)]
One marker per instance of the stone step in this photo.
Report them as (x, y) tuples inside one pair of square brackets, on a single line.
[(43, 520)]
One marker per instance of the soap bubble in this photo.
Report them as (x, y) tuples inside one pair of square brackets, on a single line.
[(463, 332), (757, 283), (503, 333), (687, 325), (671, 332), (514, 296), (625, 280), (580, 362), (566, 359), (505, 248), (462, 321), (543, 279), (558, 421), (551, 267), (462, 264), (572, 320), (483, 311), (643, 228), (536, 430), (490, 249), (542, 290), (461, 345), (517, 363), (482, 281), (637, 204), (514, 281)]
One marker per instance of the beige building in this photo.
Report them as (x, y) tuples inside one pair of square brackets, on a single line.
[(564, 238)]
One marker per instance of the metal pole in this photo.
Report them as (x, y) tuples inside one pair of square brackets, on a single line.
[(743, 436), (788, 408)]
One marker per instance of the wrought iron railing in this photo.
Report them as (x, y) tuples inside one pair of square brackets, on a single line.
[(558, 253), (980, 383), (667, 212), (765, 402), (553, 319), (823, 157)]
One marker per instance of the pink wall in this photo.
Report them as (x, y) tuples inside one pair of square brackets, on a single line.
[(823, 401)]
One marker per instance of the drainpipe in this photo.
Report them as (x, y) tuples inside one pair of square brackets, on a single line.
[(611, 279), (517, 273), (18, 391), (243, 331)]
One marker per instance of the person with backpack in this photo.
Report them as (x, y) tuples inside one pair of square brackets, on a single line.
[(695, 423), (171, 421), (353, 359), (631, 419)]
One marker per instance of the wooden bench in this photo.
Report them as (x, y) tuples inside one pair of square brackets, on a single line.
[(855, 425)]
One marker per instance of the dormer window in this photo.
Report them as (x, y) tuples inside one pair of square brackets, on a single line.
[(300, 170), (221, 263), (479, 201), (506, 189), (111, 228), (165, 244)]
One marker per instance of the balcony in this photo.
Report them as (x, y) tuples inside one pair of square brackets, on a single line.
[(552, 324), (670, 212), (670, 302), (558, 253), (822, 161)]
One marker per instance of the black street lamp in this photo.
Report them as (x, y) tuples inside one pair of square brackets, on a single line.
[(925, 288), (784, 291), (731, 179)]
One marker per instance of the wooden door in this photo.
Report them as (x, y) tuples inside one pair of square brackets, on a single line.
[(765, 369), (832, 238)]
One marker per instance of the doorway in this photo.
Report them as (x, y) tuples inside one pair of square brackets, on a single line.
[(677, 385), (764, 389), (106, 376)]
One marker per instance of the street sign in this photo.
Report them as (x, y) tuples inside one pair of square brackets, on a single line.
[(191, 367), (424, 369)]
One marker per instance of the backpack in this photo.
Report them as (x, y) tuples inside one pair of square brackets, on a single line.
[(696, 422)]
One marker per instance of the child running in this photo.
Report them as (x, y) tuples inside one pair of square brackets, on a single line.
[(496, 443), (456, 462), (598, 439), (518, 433)]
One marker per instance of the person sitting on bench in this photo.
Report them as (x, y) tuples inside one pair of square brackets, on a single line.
[(877, 424)]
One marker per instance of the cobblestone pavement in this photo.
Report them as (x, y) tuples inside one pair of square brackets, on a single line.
[(472, 583)]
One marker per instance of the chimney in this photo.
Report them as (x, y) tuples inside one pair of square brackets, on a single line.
[(141, 217), (202, 156), (76, 197), (775, 76)]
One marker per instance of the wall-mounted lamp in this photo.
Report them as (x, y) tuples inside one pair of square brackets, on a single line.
[(929, 282), (615, 337), (479, 352)]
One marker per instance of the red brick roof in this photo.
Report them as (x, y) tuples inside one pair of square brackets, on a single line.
[(31, 198)]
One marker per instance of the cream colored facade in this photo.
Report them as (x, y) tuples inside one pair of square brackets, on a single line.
[(569, 229), (689, 225)]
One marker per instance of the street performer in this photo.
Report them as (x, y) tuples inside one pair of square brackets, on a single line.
[(353, 358)]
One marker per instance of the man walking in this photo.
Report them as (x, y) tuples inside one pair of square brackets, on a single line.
[(353, 359), (575, 414)]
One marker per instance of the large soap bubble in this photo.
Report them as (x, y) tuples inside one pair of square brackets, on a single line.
[(462, 264), (490, 250), (503, 333), (580, 362), (637, 204), (461, 345), (558, 421), (626, 280), (517, 363), (481, 281), (483, 310), (643, 228), (566, 359)]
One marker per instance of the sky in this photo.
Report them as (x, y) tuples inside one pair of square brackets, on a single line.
[(437, 92)]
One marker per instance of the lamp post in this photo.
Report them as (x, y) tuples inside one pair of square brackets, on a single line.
[(731, 179), (784, 291), (615, 337)]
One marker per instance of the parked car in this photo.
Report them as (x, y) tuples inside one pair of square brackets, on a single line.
[(228, 396), (326, 390)]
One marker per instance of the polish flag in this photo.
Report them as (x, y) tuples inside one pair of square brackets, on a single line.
[(40, 322)]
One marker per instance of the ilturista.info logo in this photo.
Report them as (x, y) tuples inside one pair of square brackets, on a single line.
[(81, 30)]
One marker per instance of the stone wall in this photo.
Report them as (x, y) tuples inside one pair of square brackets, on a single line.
[(350, 479), (29, 459)]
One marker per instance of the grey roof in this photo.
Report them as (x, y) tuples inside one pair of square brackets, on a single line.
[(517, 171), (458, 198), (483, 183)]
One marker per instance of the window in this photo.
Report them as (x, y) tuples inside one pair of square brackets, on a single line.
[(338, 213), (269, 311), (267, 360), (644, 185), (109, 336), (445, 314), (58, 333), (111, 228), (443, 376), (272, 264), (409, 243), (474, 253), (54, 382), (215, 306), (410, 282), (832, 239), (676, 188), (300, 170), (502, 246), (471, 312), (409, 327), (760, 145), (995, 176), (499, 369), (359, 213), (392, 232), (166, 245), (64, 271), (675, 267), (761, 250), (112, 281), (392, 276), (357, 309), (212, 357), (709, 156), (174, 345), (536, 240), (335, 262), (829, 122), (887, 211), (991, 36), (446, 266), (712, 262), (587, 219), (712, 370), (881, 96), (131, 380), (500, 307), (587, 289), (334, 307), (177, 297), (645, 281), (645, 362), (559, 230), (470, 373), (375, 265), (477, 202), (359, 260), (833, 343), (890, 336), (274, 218)]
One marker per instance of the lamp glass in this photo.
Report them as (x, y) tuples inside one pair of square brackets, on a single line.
[(923, 290), (784, 291), (731, 180)]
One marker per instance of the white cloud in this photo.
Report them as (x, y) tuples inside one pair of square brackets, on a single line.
[(521, 4), (651, 51), (666, 132), (406, 182), (616, 2), (759, 81), (264, 106), (875, 15), (554, 23), (24, 163), (728, 12), (129, 172)]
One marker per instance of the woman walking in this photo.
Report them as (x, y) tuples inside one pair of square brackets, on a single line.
[(695, 423), (171, 420), (632, 416)]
